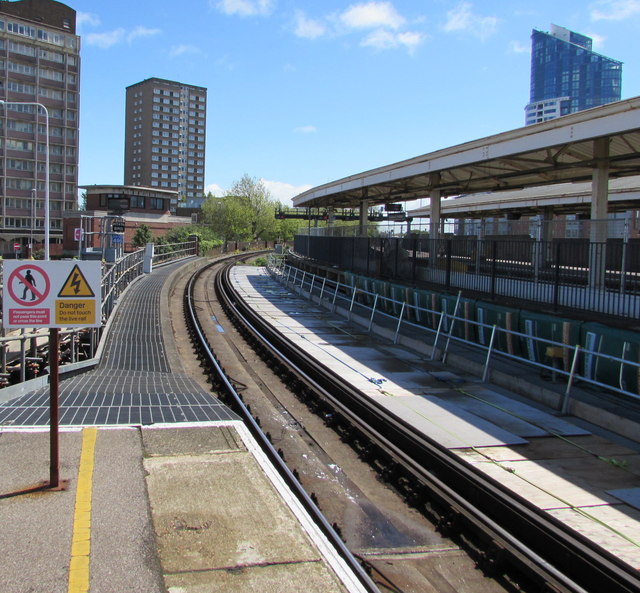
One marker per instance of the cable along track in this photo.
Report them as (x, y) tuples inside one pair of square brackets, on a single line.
[(507, 533)]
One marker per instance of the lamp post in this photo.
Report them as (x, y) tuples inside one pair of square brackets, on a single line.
[(54, 334), (46, 166)]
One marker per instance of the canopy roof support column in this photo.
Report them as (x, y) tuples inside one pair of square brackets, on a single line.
[(599, 206), (434, 221), (364, 217), (600, 190), (435, 207)]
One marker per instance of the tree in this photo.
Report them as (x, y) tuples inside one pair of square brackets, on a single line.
[(257, 199), (142, 236), (245, 214)]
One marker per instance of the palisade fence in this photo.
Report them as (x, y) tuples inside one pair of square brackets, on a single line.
[(564, 274), (605, 360), (23, 352)]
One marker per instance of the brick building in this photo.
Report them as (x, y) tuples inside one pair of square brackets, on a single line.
[(39, 64), (131, 205)]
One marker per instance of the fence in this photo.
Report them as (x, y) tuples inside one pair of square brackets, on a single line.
[(565, 274), (557, 353)]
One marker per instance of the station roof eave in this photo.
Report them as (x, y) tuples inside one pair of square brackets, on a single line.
[(556, 151), (561, 198)]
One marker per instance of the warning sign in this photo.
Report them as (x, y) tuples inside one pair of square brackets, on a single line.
[(51, 294), (76, 285), (77, 312)]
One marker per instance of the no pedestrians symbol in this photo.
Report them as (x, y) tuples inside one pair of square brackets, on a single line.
[(28, 285)]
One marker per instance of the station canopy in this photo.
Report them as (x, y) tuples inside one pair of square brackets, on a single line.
[(561, 150), (562, 198)]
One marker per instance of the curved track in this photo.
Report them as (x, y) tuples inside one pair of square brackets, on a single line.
[(508, 534)]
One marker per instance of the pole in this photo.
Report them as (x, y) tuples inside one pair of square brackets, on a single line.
[(46, 184), (54, 339), (46, 165), (54, 413), (32, 222)]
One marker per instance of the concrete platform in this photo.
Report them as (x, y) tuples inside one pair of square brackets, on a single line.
[(186, 509), (557, 463)]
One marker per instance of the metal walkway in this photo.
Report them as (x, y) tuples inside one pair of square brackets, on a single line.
[(133, 383)]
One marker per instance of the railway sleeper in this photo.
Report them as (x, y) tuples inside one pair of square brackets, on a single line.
[(492, 559), (449, 523)]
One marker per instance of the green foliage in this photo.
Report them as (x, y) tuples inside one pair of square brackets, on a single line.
[(182, 233), (247, 213), (259, 261), (208, 245), (142, 236)]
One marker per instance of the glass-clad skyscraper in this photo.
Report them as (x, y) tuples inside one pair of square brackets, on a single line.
[(567, 76)]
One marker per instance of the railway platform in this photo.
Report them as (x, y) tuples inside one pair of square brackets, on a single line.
[(162, 487), (585, 475)]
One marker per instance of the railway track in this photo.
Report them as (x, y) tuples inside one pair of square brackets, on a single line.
[(507, 536)]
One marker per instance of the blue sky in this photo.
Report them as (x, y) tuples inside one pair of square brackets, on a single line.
[(302, 93)]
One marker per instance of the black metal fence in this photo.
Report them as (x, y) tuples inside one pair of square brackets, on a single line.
[(565, 274)]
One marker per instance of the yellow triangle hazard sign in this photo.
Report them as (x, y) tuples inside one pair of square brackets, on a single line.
[(76, 285)]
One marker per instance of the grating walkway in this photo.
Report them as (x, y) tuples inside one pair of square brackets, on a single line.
[(133, 384)]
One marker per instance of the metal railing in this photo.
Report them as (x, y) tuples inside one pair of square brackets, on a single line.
[(22, 354), (577, 363)]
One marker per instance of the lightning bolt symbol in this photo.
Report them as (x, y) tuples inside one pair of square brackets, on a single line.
[(76, 282)]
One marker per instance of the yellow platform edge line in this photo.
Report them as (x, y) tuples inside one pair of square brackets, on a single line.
[(81, 539)]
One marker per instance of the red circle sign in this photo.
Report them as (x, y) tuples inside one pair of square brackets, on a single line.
[(37, 286), (17, 246)]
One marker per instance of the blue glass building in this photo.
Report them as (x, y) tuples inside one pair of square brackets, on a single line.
[(567, 76)]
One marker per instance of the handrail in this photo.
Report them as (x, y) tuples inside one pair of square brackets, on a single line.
[(337, 290)]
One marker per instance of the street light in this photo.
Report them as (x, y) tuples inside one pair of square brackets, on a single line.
[(46, 166)]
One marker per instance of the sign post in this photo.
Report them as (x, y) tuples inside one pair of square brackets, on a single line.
[(55, 295), (54, 408), (78, 233)]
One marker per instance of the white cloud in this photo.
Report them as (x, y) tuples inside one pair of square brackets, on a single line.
[(598, 41), (224, 62), (381, 18), (371, 15), (86, 18), (461, 18), (382, 39), (614, 10), (308, 28), (215, 189), (141, 31), (411, 40), (110, 38), (305, 129), (283, 192), (181, 50), (517, 48), (243, 7), (105, 40)]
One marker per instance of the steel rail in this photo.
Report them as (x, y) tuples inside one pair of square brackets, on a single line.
[(236, 402), (554, 556)]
